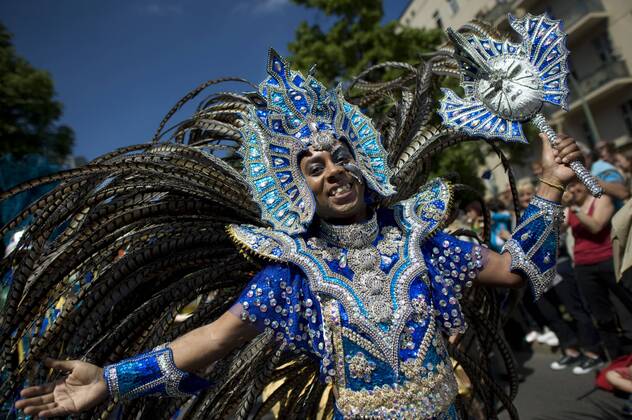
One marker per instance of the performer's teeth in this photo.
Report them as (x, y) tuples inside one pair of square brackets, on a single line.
[(341, 189)]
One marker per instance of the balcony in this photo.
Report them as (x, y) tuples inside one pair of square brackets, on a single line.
[(579, 16), (605, 74), (499, 12), (598, 85), (623, 142), (583, 16)]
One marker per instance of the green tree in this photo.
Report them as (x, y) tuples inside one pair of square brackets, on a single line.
[(28, 112), (357, 39)]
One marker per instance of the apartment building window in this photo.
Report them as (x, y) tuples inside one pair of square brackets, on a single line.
[(437, 18), (454, 5), (587, 133), (603, 45), (626, 110)]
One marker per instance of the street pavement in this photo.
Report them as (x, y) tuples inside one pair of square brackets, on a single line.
[(547, 394)]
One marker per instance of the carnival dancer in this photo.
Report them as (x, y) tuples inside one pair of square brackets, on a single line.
[(370, 292)]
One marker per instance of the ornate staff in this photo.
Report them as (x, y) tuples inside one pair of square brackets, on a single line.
[(506, 84)]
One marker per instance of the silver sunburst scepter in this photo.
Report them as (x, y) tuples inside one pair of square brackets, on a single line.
[(506, 84)]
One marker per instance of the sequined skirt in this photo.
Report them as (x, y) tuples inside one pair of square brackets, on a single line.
[(431, 398)]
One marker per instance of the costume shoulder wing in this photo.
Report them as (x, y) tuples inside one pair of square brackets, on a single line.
[(267, 244), (427, 211)]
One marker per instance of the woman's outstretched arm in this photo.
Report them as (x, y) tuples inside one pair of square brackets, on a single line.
[(199, 348), (84, 385)]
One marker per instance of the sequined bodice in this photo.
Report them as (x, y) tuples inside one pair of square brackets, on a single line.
[(405, 348), (364, 256)]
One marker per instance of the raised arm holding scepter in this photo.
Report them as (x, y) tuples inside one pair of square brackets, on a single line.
[(506, 84)]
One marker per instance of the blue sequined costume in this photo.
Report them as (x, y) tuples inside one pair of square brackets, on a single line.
[(372, 312), (371, 302)]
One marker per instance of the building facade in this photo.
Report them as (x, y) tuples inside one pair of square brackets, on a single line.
[(600, 41)]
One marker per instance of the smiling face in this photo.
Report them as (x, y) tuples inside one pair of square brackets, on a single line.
[(339, 194)]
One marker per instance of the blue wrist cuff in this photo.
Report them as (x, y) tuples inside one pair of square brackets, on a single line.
[(151, 373), (534, 242)]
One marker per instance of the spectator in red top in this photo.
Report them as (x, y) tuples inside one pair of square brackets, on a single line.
[(589, 220)]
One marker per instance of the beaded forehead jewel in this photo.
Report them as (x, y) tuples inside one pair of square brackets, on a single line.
[(298, 113), (506, 84)]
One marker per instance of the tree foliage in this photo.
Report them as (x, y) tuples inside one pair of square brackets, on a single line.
[(28, 112), (354, 39)]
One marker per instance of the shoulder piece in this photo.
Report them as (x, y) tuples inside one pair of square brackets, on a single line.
[(265, 243), (428, 210)]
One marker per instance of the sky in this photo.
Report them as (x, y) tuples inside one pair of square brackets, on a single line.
[(118, 66)]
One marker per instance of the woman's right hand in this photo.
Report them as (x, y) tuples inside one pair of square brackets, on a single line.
[(82, 388)]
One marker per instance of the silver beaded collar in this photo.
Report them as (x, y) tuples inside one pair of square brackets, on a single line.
[(357, 235)]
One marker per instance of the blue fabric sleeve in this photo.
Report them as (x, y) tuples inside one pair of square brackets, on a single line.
[(534, 243), (278, 298), (151, 373), (452, 266)]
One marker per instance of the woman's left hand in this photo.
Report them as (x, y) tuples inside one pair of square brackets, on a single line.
[(555, 161)]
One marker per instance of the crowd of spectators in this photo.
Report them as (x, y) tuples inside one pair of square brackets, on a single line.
[(587, 312)]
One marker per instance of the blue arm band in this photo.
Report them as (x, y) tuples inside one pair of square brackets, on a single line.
[(151, 373), (534, 242)]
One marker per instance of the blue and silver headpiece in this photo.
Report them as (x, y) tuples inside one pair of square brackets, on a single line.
[(300, 112)]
